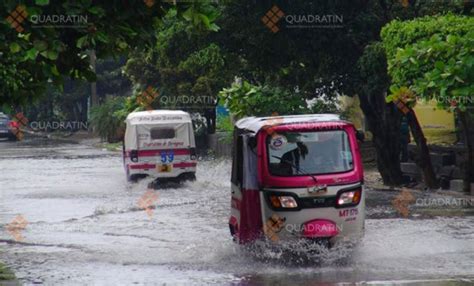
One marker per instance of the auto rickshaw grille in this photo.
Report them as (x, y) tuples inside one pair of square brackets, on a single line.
[(317, 202)]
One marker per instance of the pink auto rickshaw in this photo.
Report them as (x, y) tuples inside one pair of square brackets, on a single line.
[(296, 178)]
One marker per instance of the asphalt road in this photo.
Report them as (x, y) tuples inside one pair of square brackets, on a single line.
[(81, 223)]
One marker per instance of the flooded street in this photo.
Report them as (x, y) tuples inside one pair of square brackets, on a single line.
[(84, 225)]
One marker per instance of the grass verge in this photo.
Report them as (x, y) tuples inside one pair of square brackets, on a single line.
[(5, 273)]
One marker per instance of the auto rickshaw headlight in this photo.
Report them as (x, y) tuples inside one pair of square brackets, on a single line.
[(283, 202), (349, 198)]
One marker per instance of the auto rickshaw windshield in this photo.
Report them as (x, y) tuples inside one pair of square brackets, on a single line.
[(300, 153)]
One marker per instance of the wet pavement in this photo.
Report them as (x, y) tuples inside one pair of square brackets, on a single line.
[(82, 224)]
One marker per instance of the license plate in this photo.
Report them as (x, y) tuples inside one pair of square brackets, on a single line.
[(164, 168)]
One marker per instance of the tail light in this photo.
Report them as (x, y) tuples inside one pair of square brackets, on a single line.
[(348, 198), (134, 155), (14, 124), (193, 153)]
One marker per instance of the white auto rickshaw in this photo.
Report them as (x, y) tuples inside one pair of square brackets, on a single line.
[(160, 144), (296, 178)]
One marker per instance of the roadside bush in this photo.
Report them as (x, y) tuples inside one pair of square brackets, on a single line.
[(108, 118), (224, 123)]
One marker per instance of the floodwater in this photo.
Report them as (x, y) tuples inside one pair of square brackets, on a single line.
[(83, 225)]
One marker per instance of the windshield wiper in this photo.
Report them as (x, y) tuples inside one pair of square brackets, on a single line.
[(298, 169)]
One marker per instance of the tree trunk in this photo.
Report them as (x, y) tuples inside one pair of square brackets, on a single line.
[(384, 123), (468, 178), (383, 120), (424, 160)]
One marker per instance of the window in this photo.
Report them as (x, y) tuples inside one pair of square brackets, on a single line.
[(299, 153), (162, 133)]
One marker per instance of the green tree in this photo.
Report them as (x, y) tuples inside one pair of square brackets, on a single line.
[(34, 56), (185, 66), (433, 58), (245, 99)]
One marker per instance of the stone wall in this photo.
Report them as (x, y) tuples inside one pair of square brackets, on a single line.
[(447, 161), (220, 144)]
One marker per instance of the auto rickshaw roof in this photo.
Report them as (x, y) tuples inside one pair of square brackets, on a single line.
[(254, 124), (157, 117)]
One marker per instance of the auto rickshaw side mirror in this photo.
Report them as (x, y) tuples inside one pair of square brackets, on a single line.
[(252, 142), (360, 135)]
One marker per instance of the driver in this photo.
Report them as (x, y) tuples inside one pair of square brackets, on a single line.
[(291, 159)]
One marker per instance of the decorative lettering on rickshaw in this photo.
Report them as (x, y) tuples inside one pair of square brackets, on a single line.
[(163, 144), (159, 118), (143, 136)]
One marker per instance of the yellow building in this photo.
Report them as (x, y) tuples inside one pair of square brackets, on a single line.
[(437, 124)]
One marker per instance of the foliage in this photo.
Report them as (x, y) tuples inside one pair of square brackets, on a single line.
[(110, 78), (317, 62), (108, 118), (35, 56), (71, 104), (434, 58), (322, 105), (183, 64), (224, 123), (372, 66), (245, 99)]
